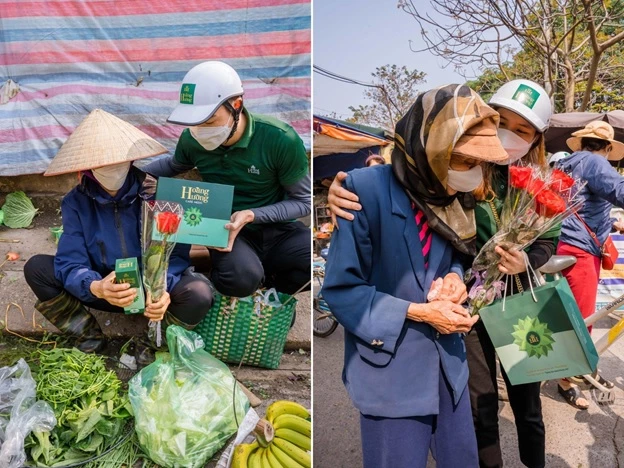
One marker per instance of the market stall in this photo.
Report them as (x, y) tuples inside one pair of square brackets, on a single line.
[(339, 146)]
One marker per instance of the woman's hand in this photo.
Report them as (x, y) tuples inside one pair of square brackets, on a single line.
[(512, 261), (340, 199), (445, 316), (120, 295), (451, 288), (156, 310)]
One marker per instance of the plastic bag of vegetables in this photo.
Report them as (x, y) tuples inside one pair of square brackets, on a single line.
[(187, 404)]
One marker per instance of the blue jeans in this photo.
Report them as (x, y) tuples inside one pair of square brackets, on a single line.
[(405, 442)]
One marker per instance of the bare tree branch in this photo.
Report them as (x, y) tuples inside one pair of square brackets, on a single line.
[(561, 43)]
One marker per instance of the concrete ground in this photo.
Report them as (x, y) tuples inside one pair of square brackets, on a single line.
[(15, 293), (574, 439)]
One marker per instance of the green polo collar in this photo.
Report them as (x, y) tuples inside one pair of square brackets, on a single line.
[(249, 131)]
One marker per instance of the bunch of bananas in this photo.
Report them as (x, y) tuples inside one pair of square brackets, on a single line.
[(283, 439)]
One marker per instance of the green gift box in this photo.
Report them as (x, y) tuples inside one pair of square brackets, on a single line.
[(541, 338), (127, 271)]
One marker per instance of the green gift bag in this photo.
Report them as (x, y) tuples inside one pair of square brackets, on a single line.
[(252, 329), (540, 334)]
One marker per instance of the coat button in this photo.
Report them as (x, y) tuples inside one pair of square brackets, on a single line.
[(437, 335)]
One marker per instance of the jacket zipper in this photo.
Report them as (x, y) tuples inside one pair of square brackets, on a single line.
[(102, 252), (124, 250)]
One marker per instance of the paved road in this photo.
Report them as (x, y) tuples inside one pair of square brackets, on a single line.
[(587, 439), (336, 422)]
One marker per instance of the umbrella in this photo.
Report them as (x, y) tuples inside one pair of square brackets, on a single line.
[(563, 125)]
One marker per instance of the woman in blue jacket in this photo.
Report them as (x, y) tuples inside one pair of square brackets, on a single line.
[(102, 223), (405, 359), (593, 147)]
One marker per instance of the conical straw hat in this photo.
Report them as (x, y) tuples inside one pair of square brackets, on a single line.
[(100, 140)]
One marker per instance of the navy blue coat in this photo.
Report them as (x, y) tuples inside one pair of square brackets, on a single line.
[(605, 188), (98, 229), (374, 271)]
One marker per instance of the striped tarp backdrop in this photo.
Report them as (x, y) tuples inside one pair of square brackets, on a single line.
[(128, 58), (611, 285)]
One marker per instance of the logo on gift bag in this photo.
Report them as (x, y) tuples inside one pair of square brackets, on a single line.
[(533, 336)]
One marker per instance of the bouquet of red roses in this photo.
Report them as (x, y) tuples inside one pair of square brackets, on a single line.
[(537, 200)]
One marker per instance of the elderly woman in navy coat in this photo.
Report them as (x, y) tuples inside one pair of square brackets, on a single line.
[(394, 281)]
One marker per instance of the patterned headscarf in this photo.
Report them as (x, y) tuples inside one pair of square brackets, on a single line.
[(424, 140)]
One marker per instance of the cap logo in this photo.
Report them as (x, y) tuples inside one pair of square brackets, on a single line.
[(526, 95), (187, 93)]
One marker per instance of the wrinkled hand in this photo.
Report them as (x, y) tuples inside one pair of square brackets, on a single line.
[(511, 262), (447, 317), (156, 310), (451, 288), (340, 199), (120, 295), (237, 222)]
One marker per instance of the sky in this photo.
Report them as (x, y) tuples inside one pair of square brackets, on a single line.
[(353, 37)]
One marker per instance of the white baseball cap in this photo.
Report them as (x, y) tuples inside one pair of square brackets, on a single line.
[(558, 156), (204, 89)]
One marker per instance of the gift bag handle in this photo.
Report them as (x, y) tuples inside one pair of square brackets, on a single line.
[(530, 271)]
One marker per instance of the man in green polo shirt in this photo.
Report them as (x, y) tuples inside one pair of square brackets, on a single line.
[(265, 160)]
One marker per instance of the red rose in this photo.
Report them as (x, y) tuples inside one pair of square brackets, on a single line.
[(167, 222), (535, 186), (561, 181), (519, 177), (549, 204)]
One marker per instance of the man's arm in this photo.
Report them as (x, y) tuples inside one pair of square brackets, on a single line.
[(297, 205), (167, 166)]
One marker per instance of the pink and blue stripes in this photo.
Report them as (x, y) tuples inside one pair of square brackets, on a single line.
[(424, 234), (128, 58)]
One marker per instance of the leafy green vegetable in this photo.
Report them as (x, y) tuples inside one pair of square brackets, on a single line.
[(1, 217), (18, 210), (126, 455), (88, 403)]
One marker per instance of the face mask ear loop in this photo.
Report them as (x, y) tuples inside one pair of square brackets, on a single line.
[(236, 114)]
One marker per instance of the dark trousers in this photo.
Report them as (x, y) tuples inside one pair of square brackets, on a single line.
[(524, 400), (277, 255), (191, 297), (405, 442)]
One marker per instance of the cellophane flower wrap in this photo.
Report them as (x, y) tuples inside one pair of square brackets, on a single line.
[(161, 220), (537, 200)]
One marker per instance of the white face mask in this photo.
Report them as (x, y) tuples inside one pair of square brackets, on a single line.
[(515, 146), (465, 181), (112, 177), (211, 137)]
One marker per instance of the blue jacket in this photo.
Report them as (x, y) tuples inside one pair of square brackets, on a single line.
[(374, 271), (98, 229), (605, 187)]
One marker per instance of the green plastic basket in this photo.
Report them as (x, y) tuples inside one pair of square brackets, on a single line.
[(233, 331)]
